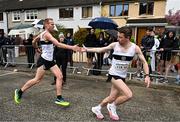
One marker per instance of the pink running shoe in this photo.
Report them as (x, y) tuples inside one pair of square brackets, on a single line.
[(97, 111), (112, 112)]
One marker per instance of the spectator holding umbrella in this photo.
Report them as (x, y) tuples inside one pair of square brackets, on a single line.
[(100, 43), (90, 41)]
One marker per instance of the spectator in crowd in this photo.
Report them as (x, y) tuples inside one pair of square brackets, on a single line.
[(109, 39), (178, 63), (70, 41), (10, 42), (178, 69), (90, 41), (61, 58), (167, 44), (30, 51), (153, 52), (147, 43), (2, 40), (18, 41), (100, 43), (4, 48)]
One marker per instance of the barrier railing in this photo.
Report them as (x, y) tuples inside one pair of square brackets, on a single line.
[(26, 55), (19, 55)]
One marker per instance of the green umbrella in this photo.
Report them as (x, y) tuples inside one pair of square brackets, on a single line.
[(22, 26)]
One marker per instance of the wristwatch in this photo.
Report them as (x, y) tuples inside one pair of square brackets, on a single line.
[(146, 75)]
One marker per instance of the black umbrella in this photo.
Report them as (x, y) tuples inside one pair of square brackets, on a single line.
[(103, 23), (112, 33)]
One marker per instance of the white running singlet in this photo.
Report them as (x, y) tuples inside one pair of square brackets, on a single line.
[(47, 48), (121, 60)]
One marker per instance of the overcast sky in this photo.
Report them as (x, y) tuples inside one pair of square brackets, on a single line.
[(173, 4)]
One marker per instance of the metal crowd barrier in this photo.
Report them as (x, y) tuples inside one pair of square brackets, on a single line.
[(20, 54), (170, 56), (14, 55)]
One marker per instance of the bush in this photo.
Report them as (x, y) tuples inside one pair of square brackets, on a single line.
[(80, 36)]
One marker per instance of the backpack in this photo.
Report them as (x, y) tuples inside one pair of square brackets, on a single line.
[(97, 68)]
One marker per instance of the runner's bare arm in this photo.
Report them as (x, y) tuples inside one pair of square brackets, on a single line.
[(145, 65), (99, 50), (35, 40), (49, 37)]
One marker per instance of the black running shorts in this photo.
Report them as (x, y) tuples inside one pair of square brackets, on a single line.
[(116, 77), (47, 64)]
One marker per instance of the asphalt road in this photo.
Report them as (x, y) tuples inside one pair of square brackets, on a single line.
[(151, 104)]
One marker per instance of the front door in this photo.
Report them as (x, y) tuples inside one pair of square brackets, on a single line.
[(141, 31)]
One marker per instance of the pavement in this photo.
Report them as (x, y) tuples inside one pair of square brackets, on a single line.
[(160, 102)]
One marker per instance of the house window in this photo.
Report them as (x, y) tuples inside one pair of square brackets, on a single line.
[(146, 8), (16, 16), (31, 15), (86, 12), (66, 13), (119, 10), (1, 16)]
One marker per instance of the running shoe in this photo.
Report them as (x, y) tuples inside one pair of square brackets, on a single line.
[(97, 111), (17, 97), (112, 112), (62, 102)]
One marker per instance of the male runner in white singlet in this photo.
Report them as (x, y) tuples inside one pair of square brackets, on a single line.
[(46, 62), (124, 51)]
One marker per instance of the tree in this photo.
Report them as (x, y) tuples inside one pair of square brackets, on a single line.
[(173, 18)]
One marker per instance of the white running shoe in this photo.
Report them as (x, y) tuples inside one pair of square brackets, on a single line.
[(112, 112), (97, 111)]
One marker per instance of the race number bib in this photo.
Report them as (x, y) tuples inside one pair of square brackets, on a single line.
[(121, 67)]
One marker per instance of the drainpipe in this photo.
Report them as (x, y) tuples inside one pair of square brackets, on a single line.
[(7, 20), (100, 4), (6, 15)]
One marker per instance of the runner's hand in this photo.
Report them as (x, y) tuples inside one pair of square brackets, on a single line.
[(76, 48), (84, 49), (147, 81)]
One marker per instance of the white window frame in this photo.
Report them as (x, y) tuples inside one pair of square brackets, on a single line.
[(31, 13), (16, 14), (87, 8)]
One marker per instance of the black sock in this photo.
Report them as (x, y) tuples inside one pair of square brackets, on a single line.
[(20, 92), (59, 97)]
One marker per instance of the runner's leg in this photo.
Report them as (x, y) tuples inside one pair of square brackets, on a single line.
[(59, 78), (39, 75)]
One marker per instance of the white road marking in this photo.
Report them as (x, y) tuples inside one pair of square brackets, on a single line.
[(7, 73)]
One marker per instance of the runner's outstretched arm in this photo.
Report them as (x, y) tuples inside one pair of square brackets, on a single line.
[(98, 50), (49, 37), (34, 42)]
